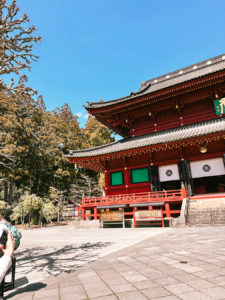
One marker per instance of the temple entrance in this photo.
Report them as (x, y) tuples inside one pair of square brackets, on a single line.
[(209, 185), (171, 185), (208, 176)]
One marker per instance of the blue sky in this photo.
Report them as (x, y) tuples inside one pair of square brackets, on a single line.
[(103, 49)]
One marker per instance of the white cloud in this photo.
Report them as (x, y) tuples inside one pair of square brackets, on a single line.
[(82, 117), (80, 114)]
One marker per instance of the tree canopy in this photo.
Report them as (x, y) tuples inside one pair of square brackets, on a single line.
[(35, 177)]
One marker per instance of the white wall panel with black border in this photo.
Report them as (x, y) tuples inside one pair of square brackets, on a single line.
[(169, 173), (207, 167)]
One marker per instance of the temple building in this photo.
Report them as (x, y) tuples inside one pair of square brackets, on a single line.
[(173, 145)]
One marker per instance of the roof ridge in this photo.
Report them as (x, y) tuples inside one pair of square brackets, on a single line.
[(199, 65), (182, 75)]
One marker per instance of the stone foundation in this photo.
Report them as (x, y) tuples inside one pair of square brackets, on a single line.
[(207, 212), (85, 224)]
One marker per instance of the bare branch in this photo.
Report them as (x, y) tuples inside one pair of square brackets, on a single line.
[(16, 39)]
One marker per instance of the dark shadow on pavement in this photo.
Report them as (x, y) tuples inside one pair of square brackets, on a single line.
[(33, 287), (54, 261)]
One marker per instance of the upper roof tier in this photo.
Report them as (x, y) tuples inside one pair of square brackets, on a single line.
[(174, 78)]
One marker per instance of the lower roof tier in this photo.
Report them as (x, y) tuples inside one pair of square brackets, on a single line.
[(152, 140)]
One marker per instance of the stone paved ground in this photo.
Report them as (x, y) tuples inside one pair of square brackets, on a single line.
[(51, 251), (183, 263)]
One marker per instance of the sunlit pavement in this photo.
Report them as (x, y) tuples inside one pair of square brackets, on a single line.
[(162, 264), (50, 251)]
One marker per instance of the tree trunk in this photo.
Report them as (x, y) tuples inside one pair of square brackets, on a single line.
[(23, 189), (10, 190), (5, 191), (30, 211), (30, 185), (58, 216)]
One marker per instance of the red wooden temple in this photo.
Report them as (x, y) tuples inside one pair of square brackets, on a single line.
[(173, 144)]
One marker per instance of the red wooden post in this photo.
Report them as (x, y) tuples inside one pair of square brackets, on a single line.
[(126, 179), (183, 192), (95, 214), (163, 225), (167, 207), (83, 214), (107, 182), (134, 209)]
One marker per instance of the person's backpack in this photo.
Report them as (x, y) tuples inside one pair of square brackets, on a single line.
[(15, 233)]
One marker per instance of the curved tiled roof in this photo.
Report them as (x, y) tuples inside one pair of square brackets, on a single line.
[(166, 136), (168, 80)]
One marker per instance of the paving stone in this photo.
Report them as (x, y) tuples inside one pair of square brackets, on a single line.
[(69, 282), (195, 296), (200, 284), (72, 297), (47, 298), (215, 292), (185, 277), (136, 278), (219, 280), (131, 296), (205, 275), (105, 298), (73, 290), (166, 280), (117, 281), (47, 293), (196, 262), (133, 276), (167, 298), (179, 288), (97, 291), (155, 292), (187, 268), (120, 288), (145, 284)]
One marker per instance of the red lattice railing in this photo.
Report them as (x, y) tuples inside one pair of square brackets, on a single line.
[(159, 196)]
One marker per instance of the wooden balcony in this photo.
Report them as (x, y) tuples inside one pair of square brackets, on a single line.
[(172, 196)]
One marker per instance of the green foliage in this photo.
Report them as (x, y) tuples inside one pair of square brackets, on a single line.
[(4, 207), (49, 211), (35, 177), (96, 133)]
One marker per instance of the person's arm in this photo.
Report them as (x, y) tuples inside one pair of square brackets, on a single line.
[(5, 264), (6, 259)]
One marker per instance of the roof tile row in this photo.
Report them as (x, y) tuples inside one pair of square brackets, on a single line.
[(166, 136)]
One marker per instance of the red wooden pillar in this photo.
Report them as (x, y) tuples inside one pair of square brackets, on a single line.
[(95, 214), (126, 179), (163, 225), (134, 209), (167, 207), (83, 214), (107, 181), (183, 192)]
